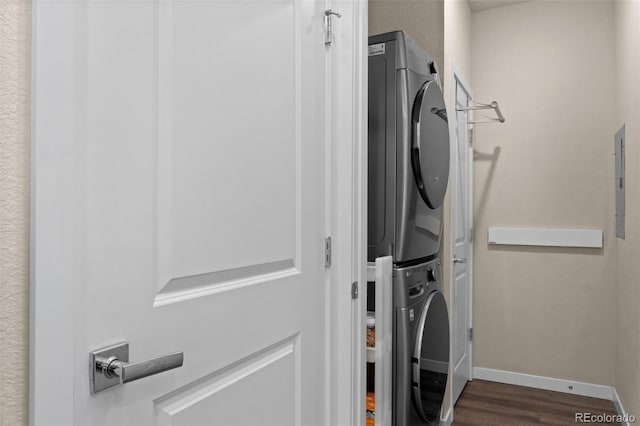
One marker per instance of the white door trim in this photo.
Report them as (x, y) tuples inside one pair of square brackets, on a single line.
[(51, 390), (456, 76), (358, 171), (348, 215)]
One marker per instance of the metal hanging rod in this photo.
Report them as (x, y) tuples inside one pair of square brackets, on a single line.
[(493, 105)]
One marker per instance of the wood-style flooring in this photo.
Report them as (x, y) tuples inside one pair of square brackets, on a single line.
[(496, 404)]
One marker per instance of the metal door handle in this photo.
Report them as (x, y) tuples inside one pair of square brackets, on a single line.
[(456, 260), (110, 366), (128, 372)]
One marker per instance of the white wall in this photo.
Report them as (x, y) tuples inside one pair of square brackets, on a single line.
[(14, 210), (457, 39), (627, 56), (545, 311)]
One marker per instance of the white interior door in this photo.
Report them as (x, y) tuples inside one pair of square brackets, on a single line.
[(179, 193), (461, 238)]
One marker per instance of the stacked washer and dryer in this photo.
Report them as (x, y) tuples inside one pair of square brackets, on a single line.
[(408, 175)]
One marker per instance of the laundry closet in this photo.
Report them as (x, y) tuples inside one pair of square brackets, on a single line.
[(408, 172)]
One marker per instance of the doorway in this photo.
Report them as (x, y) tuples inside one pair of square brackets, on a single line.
[(461, 217)]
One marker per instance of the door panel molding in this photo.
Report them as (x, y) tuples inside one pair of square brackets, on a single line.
[(187, 288), (188, 260), (284, 356)]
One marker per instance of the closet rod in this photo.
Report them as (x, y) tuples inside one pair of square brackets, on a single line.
[(493, 105)]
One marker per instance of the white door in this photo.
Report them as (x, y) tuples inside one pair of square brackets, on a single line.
[(461, 237), (179, 205)]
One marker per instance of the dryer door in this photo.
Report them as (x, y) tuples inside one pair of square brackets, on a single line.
[(431, 358), (430, 144)]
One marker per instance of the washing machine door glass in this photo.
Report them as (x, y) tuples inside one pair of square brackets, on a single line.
[(430, 144), (431, 358)]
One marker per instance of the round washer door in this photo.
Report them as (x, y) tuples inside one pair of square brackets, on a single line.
[(431, 358), (430, 144)]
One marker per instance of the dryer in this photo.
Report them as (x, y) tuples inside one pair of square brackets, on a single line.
[(420, 345), (408, 151), (408, 175)]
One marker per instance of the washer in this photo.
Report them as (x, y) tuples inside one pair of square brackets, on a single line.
[(408, 151), (420, 345), (408, 175)]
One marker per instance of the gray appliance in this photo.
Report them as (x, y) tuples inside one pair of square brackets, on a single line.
[(408, 151), (408, 175), (421, 345)]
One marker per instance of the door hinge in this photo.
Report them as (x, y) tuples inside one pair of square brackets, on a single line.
[(471, 334), (327, 252), (328, 25), (471, 234), (354, 290), (471, 137)]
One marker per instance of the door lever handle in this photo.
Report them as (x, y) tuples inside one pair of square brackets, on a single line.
[(128, 372), (456, 260), (110, 366)]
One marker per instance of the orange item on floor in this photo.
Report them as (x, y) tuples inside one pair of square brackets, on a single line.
[(371, 407), (371, 401)]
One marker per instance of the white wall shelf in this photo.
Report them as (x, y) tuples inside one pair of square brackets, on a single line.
[(590, 238)]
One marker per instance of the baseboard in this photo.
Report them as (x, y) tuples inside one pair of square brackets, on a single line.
[(546, 383), (558, 385), (445, 420), (620, 409)]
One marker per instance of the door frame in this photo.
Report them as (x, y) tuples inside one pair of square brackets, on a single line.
[(51, 308), (455, 79), (348, 215)]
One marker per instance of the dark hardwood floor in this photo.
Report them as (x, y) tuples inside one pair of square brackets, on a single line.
[(495, 404)]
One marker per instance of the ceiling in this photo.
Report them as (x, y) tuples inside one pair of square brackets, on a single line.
[(477, 5)]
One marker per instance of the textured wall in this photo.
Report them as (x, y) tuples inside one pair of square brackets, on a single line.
[(14, 210), (546, 311), (423, 20), (627, 366)]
